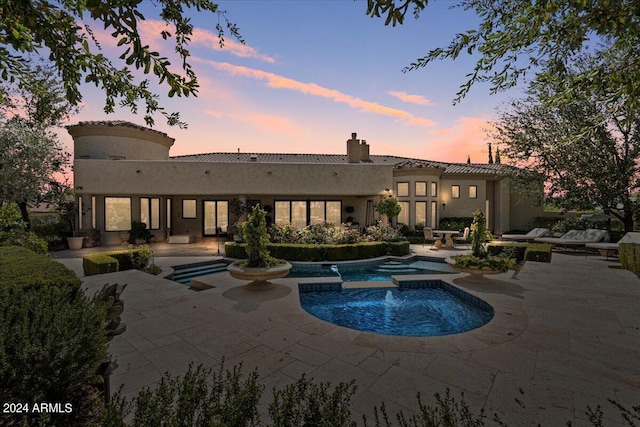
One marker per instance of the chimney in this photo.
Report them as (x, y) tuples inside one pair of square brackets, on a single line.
[(353, 149), (364, 152)]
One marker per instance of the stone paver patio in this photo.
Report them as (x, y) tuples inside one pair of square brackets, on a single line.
[(565, 335)]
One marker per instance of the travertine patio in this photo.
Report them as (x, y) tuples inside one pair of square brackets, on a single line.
[(565, 335)]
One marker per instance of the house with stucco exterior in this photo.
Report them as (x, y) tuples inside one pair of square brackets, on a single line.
[(123, 172)]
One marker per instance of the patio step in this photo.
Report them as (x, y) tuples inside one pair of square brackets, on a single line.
[(183, 275)]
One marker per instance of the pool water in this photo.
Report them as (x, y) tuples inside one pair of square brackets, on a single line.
[(432, 311), (350, 272), (372, 271)]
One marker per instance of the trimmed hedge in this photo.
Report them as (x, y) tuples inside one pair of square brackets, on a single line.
[(99, 263), (125, 259), (511, 249), (539, 252), (21, 266), (324, 252), (629, 254)]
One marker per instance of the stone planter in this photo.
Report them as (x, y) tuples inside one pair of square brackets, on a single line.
[(474, 272), (75, 243), (259, 277)]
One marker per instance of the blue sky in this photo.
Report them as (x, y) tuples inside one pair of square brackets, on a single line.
[(313, 72)]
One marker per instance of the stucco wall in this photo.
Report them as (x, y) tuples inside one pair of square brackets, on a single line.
[(150, 178), (123, 142)]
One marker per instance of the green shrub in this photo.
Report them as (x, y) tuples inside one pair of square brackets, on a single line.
[(455, 223), (324, 252), (21, 267), (99, 263), (13, 230), (202, 397), (53, 229), (127, 259), (52, 342), (496, 263), (508, 249), (630, 257), (382, 233), (538, 252), (307, 403)]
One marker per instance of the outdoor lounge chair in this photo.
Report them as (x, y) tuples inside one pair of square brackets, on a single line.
[(533, 234), (576, 238), (611, 248)]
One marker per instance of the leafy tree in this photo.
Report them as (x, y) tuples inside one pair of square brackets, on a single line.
[(30, 157), (389, 207), (62, 32), (38, 98), (587, 149), (514, 37)]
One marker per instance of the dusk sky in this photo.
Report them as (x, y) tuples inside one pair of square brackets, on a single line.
[(313, 72)]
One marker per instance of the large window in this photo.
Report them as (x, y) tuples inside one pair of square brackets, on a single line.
[(421, 188), (324, 211), (216, 217), (473, 191), (150, 212), (291, 212), (403, 217), (403, 189), (295, 212), (189, 208), (117, 213), (455, 191), (421, 213), (434, 189)]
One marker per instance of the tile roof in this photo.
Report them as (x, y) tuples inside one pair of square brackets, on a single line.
[(397, 162), (120, 123)]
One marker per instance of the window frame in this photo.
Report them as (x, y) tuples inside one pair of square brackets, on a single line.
[(106, 229), (150, 222), (423, 193), (455, 191), (475, 192), (195, 209), (434, 189), (398, 193)]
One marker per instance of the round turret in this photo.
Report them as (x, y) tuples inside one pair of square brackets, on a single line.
[(119, 140)]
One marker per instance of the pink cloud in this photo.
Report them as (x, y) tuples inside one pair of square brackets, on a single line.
[(231, 46), (268, 122), (280, 82), (467, 137), (412, 99)]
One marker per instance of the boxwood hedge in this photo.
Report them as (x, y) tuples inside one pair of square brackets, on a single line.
[(324, 252), (21, 266)]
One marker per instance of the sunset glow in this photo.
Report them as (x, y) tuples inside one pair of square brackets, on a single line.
[(309, 75)]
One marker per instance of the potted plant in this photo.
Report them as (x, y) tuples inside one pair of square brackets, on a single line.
[(389, 207), (68, 208), (139, 233), (260, 266), (479, 262)]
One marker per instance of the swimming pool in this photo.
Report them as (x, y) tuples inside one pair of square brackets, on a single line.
[(434, 309), (367, 270)]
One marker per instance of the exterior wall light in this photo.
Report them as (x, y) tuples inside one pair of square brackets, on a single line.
[(444, 206), (139, 171), (335, 174), (269, 173), (206, 172)]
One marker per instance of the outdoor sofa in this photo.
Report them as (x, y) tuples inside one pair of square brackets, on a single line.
[(608, 248), (576, 238), (533, 234)]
